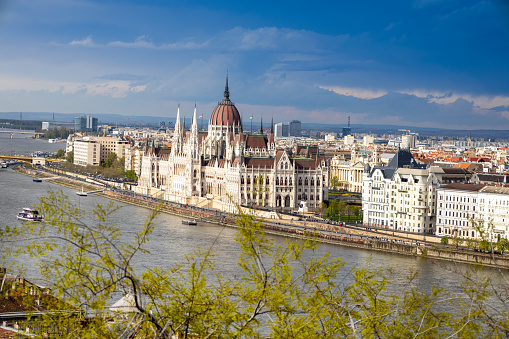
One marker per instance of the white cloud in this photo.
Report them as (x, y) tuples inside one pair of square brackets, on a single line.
[(361, 93), (481, 101), (87, 42), (113, 88)]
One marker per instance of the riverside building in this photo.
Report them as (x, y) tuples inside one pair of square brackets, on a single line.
[(224, 167)]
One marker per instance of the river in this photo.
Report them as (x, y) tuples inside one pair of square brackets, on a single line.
[(171, 240)]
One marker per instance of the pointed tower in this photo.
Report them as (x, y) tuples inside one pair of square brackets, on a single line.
[(261, 125), (176, 144), (193, 138)]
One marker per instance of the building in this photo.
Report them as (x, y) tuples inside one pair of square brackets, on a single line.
[(85, 123), (47, 125), (408, 141), (87, 152), (349, 172), (282, 130), (459, 204), (224, 167), (402, 195), (94, 150), (294, 128)]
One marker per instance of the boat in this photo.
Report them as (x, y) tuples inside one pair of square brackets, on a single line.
[(37, 180), (82, 193), (3, 165), (190, 222), (29, 214)]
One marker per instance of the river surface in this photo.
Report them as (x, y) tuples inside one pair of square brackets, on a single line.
[(171, 240)]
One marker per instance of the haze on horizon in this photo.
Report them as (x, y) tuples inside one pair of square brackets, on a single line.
[(426, 63)]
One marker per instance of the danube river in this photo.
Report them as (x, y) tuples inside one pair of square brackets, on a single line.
[(171, 240)]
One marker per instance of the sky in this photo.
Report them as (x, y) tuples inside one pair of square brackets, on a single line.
[(425, 63)]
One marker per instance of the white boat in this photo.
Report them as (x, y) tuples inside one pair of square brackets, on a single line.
[(29, 214), (82, 193), (190, 222), (3, 165)]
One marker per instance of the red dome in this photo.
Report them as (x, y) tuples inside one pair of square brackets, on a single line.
[(225, 113)]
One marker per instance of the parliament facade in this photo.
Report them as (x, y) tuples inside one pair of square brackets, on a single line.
[(224, 167)]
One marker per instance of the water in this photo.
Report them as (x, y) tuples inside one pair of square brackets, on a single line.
[(21, 144), (171, 240)]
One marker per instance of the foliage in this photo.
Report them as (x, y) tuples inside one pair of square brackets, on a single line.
[(70, 157), (457, 241), (444, 240), (131, 175), (334, 182), (88, 266), (56, 133), (60, 154)]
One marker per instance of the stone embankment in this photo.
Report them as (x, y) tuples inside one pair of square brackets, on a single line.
[(320, 232)]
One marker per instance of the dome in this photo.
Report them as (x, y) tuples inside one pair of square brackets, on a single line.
[(367, 168), (225, 113)]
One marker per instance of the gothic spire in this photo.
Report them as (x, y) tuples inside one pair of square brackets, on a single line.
[(272, 126), (261, 125), (177, 121), (226, 91)]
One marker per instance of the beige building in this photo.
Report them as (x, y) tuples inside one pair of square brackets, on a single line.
[(86, 152), (350, 172), (94, 150)]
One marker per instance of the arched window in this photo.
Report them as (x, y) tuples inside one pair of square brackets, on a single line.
[(312, 181), (286, 165), (306, 181), (248, 180), (286, 181), (242, 180), (267, 181), (290, 181), (277, 181)]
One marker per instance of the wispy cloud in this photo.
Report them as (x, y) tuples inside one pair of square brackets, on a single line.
[(87, 42), (361, 93), (112, 88), (481, 101)]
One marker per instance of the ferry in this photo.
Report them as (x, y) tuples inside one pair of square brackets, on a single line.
[(190, 222), (29, 214)]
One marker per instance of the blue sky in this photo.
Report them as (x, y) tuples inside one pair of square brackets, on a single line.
[(429, 63)]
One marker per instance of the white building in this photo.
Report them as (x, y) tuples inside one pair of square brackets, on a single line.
[(402, 195), (459, 204), (225, 167)]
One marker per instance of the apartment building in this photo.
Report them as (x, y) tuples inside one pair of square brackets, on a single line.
[(460, 204), (402, 195), (94, 150)]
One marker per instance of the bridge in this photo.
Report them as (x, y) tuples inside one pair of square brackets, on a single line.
[(17, 132), (27, 159)]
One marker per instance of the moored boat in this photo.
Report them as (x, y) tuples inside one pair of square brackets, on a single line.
[(37, 180), (190, 222), (29, 214), (82, 193)]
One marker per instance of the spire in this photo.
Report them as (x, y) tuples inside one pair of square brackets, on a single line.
[(261, 125), (177, 121), (195, 120), (272, 126), (184, 128), (226, 91)]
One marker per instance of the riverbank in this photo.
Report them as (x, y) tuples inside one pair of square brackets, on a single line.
[(362, 239)]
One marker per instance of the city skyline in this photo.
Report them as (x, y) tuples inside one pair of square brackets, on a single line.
[(421, 63)]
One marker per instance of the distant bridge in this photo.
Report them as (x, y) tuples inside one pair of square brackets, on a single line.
[(17, 132), (26, 159)]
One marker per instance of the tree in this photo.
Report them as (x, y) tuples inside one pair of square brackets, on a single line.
[(86, 265), (444, 240), (334, 182), (131, 175), (60, 154), (457, 241), (70, 157), (470, 243), (110, 159)]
